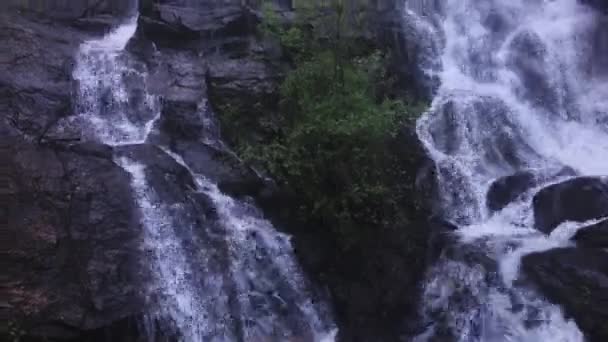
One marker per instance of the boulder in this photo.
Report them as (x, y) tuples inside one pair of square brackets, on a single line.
[(594, 236), (576, 279), (579, 199), (204, 46), (72, 243), (509, 188)]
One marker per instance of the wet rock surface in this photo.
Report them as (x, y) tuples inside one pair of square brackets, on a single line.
[(579, 199), (594, 236), (35, 67), (190, 50), (73, 237), (507, 189), (576, 279), (74, 10)]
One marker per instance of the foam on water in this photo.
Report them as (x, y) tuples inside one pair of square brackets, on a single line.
[(112, 106), (265, 269)]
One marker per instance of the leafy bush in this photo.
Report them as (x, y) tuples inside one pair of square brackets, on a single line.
[(331, 147)]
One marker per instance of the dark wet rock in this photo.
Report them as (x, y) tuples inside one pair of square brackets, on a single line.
[(181, 75), (87, 148), (507, 189), (170, 180), (168, 19), (210, 46), (593, 236), (242, 91), (190, 48), (183, 120), (35, 73), (601, 5), (596, 64), (577, 279), (221, 167), (243, 85), (410, 54), (579, 199), (73, 236), (74, 11)]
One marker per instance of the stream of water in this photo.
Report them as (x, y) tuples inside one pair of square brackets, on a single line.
[(518, 85), (233, 278)]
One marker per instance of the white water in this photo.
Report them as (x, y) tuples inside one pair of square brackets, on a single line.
[(114, 105), (231, 280), (263, 265), (518, 89)]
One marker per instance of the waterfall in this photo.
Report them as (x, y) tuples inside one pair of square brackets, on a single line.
[(233, 278), (519, 87)]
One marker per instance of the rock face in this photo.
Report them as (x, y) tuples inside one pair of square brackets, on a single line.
[(507, 189), (231, 61), (594, 236), (374, 286), (73, 229), (70, 206), (207, 56), (579, 199), (73, 11), (73, 237), (577, 279), (35, 68), (407, 51)]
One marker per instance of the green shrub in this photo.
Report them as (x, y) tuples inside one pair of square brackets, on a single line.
[(331, 147)]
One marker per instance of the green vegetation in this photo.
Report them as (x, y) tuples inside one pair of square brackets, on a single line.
[(331, 141)]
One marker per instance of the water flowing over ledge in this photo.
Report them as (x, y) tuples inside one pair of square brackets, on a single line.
[(518, 89), (227, 275)]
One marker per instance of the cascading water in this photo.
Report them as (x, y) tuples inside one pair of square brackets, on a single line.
[(519, 87), (231, 280)]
